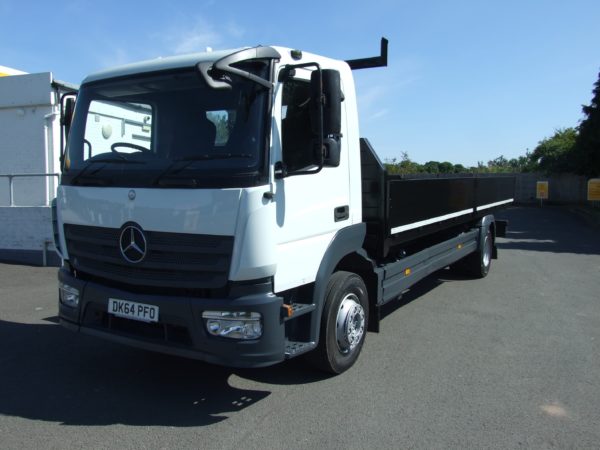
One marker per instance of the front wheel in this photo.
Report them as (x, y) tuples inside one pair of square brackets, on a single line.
[(343, 323)]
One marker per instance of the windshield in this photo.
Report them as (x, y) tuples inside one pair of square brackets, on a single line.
[(168, 130)]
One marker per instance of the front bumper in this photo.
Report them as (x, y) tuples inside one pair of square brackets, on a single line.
[(180, 330)]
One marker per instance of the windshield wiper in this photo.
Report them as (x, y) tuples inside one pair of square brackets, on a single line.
[(92, 162), (188, 160)]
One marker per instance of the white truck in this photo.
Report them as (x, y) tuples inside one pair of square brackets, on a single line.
[(222, 206)]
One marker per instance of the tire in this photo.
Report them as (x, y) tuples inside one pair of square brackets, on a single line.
[(478, 264), (343, 323)]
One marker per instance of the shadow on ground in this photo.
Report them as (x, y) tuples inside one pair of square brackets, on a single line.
[(51, 374), (551, 229), (48, 373)]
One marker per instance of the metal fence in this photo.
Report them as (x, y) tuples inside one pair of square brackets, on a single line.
[(11, 177)]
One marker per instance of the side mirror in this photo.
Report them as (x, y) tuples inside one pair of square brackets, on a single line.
[(327, 106), (67, 108), (331, 100), (67, 117), (331, 152)]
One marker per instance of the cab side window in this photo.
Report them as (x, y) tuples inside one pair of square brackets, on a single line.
[(296, 131)]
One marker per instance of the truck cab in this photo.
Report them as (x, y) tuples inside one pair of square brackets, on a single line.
[(199, 197)]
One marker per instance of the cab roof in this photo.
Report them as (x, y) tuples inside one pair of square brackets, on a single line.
[(159, 64)]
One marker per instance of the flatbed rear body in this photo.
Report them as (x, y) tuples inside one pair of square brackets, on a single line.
[(399, 210)]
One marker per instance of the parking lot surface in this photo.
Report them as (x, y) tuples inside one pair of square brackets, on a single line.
[(510, 361)]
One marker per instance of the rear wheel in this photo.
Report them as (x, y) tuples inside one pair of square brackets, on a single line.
[(343, 323), (478, 263)]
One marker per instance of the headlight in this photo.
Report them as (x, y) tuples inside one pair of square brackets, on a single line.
[(68, 295), (233, 324)]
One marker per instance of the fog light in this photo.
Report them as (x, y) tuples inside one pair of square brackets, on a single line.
[(233, 324), (68, 295)]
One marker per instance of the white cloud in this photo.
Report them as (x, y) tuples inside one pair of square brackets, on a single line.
[(76, 7), (195, 35), (235, 30), (117, 56), (196, 39), (371, 95), (183, 35), (379, 90), (378, 114)]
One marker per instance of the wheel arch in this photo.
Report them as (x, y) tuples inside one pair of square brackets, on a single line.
[(343, 251), (359, 263)]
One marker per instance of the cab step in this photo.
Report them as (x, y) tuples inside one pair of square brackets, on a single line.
[(294, 348)]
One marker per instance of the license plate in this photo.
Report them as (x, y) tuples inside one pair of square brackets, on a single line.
[(133, 310)]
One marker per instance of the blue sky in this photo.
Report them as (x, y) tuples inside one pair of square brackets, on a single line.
[(467, 80)]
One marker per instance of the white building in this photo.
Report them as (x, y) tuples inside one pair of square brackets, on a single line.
[(29, 153)]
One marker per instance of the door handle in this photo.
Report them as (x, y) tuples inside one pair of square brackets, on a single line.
[(341, 213)]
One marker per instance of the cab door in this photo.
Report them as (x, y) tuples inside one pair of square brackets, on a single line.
[(311, 205)]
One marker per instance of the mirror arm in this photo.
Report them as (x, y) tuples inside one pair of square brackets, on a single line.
[(211, 70)]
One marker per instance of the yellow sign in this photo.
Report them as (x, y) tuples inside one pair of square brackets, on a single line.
[(594, 190), (541, 190)]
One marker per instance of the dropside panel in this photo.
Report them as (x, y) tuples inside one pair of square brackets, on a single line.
[(398, 210), (421, 207)]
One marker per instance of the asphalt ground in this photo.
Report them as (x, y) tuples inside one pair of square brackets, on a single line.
[(510, 361)]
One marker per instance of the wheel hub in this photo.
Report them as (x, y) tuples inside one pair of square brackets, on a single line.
[(350, 323), (487, 251)]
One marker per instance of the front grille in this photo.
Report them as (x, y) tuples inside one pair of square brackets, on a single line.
[(177, 260)]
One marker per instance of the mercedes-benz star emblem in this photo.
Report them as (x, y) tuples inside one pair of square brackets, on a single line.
[(133, 244)]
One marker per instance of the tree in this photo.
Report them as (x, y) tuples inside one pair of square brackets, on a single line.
[(403, 167), (431, 167), (587, 146), (555, 154), (513, 165), (459, 168), (446, 167), (500, 164), (523, 163)]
